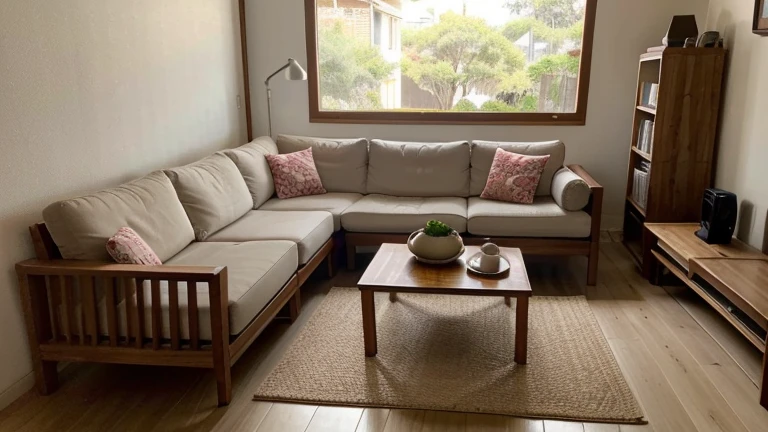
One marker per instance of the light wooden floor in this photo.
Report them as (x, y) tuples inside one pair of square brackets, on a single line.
[(688, 368)]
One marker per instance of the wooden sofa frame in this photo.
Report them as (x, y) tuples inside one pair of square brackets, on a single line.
[(589, 247), (59, 331)]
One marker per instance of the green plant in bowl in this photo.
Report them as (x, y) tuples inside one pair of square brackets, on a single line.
[(436, 228)]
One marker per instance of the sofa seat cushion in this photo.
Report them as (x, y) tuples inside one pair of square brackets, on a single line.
[(256, 271), (309, 230), (334, 203), (390, 214), (543, 218), (213, 192), (81, 226)]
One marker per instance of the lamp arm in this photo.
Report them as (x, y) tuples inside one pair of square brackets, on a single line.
[(269, 78)]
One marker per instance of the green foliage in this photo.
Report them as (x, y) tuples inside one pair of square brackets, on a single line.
[(465, 105), (556, 64), (497, 106), (352, 70), (529, 103), (437, 229), (458, 52), (556, 13)]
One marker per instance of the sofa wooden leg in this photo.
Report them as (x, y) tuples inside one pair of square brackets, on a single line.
[(223, 382), (47, 377), (294, 306), (331, 262), (594, 253), (351, 252)]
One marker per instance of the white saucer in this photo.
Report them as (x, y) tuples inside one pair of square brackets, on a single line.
[(473, 266)]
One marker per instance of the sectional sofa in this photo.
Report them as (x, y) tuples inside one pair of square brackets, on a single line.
[(234, 256)]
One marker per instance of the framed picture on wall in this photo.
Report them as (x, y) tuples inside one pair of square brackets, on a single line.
[(761, 17)]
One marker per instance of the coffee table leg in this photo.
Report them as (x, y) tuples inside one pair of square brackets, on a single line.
[(508, 301), (369, 322), (393, 297), (521, 331)]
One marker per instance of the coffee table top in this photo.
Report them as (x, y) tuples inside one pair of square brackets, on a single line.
[(395, 269)]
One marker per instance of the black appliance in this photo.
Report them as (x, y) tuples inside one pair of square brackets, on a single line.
[(718, 216)]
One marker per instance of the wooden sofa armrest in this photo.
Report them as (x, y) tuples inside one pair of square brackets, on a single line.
[(581, 172), (595, 206), (51, 302), (100, 269)]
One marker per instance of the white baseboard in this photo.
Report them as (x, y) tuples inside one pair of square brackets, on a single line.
[(17, 390)]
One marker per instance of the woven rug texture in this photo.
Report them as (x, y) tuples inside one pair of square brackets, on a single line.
[(455, 353)]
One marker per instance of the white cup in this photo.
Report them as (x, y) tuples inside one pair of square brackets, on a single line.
[(489, 263)]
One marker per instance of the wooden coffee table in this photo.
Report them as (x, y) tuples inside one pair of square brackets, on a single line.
[(395, 270)]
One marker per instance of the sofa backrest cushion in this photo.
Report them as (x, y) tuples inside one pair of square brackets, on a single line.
[(419, 169), (81, 226), (484, 151), (341, 163), (213, 193), (254, 168)]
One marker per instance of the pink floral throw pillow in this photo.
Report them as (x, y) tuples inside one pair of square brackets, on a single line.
[(514, 177), (127, 247), (295, 174)]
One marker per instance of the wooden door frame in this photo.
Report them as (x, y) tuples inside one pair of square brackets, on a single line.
[(246, 77)]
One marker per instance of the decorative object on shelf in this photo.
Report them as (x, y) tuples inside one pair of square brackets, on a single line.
[(681, 28), (437, 243), (488, 262), (293, 72), (708, 39), (690, 42), (760, 25), (719, 211)]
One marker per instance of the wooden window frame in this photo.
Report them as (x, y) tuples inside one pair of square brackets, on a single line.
[(577, 118)]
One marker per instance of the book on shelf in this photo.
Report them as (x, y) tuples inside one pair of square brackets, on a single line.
[(645, 136), (640, 184), (649, 95)]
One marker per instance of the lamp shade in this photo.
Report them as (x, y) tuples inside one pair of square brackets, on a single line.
[(295, 72)]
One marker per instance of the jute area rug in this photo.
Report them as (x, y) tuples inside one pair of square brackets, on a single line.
[(455, 353)]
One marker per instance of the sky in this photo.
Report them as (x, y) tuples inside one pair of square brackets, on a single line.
[(493, 11)]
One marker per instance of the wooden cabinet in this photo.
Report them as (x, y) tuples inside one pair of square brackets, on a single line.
[(680, 150)]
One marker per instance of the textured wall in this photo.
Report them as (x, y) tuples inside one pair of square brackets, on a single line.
[(96, 92), (625, 28), (743, 145)]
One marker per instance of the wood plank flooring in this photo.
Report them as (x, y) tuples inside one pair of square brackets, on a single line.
[(688, 368)]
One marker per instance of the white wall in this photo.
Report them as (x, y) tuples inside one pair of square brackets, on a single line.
[(743, 151), (94, 93), (625, 28)]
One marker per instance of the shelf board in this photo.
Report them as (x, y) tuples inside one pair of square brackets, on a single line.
[(641, 153), (652, 56), (649, 110), (636, 205)]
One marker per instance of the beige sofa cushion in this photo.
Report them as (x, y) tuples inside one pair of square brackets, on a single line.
[(81, 226), (570, 191), (419, 169), (254, 168), (389, 214), (256, 272), (484, 151), (341, 163), (213, 193), (543, 218), (334, 203), (310, 230)]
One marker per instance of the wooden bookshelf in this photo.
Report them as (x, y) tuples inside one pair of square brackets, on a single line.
[(682, 153)]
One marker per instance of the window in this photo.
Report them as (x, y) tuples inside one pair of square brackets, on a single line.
[(449, 61)]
